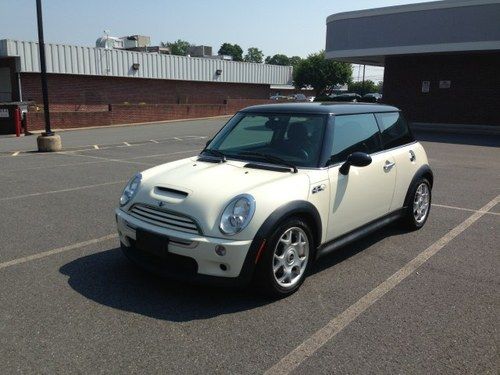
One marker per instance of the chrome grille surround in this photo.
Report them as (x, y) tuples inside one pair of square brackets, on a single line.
[(164, 218)]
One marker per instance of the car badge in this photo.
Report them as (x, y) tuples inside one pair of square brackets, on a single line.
[(161, 204)]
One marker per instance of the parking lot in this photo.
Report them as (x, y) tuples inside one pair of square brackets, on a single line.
[(395, 302)]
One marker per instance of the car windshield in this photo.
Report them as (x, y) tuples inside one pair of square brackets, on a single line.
[(292, 139)]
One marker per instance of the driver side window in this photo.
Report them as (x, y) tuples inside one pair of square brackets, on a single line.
[(353, 133)]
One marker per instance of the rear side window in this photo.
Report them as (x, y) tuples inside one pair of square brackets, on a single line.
[(353, 133), (394, 129)]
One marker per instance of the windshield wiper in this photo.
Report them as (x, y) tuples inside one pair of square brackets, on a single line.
[(215, 153), (270, 158)]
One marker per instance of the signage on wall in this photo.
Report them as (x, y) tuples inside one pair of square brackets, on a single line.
[(426, 86), (4, 112), (444, 84)]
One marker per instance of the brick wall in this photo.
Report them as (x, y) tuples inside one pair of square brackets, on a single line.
[(91, 90), (473, 98), (136, 113)]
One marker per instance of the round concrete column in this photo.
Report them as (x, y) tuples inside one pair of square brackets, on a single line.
[(49, 143)]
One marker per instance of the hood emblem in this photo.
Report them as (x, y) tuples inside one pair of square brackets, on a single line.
[(161, 204)]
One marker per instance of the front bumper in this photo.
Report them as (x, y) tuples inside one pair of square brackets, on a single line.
[(200, 249)]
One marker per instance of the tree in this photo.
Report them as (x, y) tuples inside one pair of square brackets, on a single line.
[(254, 55), (295, 60), (320, 73), (180, 47), (232, 50), (361, 89), (278, 59)]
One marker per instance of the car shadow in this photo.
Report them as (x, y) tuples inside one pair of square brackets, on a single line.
[(345, 252), (112, 280), (108, 278)]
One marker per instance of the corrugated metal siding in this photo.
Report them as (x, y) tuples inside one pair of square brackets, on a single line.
[(67, 59)]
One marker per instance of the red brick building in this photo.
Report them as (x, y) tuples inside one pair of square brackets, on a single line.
[(441, 58), (96, 86)]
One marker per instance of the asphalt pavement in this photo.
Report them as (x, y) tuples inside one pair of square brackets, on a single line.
[(395, 302)]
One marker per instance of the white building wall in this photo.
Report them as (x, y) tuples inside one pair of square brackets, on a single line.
[(68, 59)]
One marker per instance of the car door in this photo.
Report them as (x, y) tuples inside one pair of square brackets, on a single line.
[(365, 193), (397, 139)]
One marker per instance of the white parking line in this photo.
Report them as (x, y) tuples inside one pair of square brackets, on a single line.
[(170, 153), (96, 147), (464, 209), (62, 190), (72, 153), (126, 144), (305, 350), (16, 153), (152, 140), (59, 250)]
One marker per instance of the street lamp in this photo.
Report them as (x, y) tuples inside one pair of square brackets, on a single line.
[(48, 141)]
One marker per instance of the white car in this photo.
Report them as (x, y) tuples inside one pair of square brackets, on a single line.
[(279, 186)]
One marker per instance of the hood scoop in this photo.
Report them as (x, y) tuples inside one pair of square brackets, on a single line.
[(169, 194)]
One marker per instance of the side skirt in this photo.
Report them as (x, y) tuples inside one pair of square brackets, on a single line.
[(358, 233)]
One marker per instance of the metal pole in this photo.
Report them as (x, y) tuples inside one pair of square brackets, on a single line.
[(43, 68), (363, 86)]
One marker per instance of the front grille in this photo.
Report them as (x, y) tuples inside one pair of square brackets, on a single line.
[(164, 219)]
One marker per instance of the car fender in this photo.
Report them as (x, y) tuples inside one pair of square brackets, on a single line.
[(424, 170), (283, 212)]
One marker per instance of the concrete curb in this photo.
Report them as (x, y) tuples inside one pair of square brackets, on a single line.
[(133, 124), (456, 128)]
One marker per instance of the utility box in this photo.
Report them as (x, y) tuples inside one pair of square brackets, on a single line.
[(7, 125)]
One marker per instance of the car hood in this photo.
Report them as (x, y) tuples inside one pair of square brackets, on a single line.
[(202, 190)]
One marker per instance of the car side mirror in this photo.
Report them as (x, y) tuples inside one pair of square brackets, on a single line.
[(356, 159), (208, 142)]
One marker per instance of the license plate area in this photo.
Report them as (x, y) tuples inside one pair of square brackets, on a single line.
[(151, 243)]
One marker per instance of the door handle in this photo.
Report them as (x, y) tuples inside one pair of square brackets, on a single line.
[(388, 165)]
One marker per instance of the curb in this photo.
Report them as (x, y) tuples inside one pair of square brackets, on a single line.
[(456, 128), (133, 124)]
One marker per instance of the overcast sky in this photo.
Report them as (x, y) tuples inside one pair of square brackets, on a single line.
[(291, 27)]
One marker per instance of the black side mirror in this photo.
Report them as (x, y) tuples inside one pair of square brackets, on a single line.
[(356, 159)]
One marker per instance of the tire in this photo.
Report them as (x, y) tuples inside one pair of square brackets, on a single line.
[(282, 267), (415, 217)]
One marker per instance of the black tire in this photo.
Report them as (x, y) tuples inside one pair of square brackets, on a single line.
[(264, 278), (410, 220)]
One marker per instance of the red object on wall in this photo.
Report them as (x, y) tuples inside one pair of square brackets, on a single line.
[(17, 121)]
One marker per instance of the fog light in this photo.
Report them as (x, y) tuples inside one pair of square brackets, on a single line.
[(220, 250)]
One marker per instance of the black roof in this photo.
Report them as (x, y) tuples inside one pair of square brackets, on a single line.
[(320, 108)]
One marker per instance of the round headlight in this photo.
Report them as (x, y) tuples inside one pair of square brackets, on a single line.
[(237, 214), (131, 189)]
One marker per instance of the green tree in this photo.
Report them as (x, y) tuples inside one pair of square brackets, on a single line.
[(278, 59), (320, 73), (254, 55), (359, 88), (295, 60), (233, 50), (180, 47)]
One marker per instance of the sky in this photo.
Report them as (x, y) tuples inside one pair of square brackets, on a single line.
[(291, 27)]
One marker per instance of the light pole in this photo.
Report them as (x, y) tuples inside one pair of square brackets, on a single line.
[(48, 141)]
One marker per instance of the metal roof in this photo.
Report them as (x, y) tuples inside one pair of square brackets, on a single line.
[(320, 108), (69, 59)]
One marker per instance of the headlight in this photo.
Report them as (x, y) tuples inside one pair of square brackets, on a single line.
[(131, 189), (237, 214)]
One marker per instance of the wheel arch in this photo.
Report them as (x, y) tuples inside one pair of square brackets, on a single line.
[(302, 209), (423, 172)]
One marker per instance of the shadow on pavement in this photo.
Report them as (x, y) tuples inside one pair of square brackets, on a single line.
[(110, 279), (461, 139), (343, 253)]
